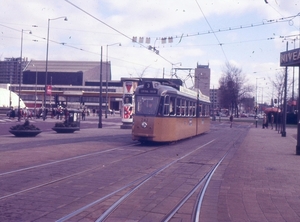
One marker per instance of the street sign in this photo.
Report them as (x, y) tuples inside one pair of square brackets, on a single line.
[(290, 58)]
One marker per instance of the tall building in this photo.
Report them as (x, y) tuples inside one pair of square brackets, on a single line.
[(213, 96), (10, 70), (202, 79)]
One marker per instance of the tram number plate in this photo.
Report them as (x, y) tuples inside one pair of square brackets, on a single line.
[(148, 91)]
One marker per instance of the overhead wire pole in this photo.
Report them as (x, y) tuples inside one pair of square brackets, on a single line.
[(283, 133), (100, 93), (21, 75)]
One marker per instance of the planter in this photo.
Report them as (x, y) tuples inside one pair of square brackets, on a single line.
[(25, 133), (65, 129)]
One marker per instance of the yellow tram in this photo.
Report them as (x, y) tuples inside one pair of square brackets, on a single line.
[(165, 113)]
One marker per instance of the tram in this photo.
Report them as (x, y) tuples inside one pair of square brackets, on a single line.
[(164, 113)]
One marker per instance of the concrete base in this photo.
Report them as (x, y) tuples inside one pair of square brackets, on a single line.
[(126, 126)]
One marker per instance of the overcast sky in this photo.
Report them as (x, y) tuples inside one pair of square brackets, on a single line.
[(246, 33)]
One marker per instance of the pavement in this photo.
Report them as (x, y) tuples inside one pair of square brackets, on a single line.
[(259, 181)]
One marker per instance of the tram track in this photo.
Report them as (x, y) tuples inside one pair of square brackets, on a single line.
[(37, 167), (139, 184), (203, 184), (109, 194)]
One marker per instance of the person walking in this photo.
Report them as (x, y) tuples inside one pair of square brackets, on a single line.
[(272, 120), (231, 120)]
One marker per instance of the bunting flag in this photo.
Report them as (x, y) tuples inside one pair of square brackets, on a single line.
[(134, 39)]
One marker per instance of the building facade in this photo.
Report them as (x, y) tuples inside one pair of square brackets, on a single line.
[(202, 79)]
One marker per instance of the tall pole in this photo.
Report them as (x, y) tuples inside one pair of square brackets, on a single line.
[(256, 106), (46, 71), (20, 77), (21, 74), (283, 133), (35, 90), (106, 79), (100, 93), (298, 122)]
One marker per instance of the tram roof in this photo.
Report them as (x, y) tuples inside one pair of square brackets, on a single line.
[(162, 89)]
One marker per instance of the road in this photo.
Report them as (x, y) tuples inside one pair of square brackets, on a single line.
[(102, 175)]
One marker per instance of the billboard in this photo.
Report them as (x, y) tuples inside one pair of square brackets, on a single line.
[(290, 58)]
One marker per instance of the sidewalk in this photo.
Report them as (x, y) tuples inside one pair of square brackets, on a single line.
[(259, 181)]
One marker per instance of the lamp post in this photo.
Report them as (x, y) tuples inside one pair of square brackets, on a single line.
[(46, 72), (21, 73), (283, 133), (100, 93), (35, 93), (256, 101), (106, 105)]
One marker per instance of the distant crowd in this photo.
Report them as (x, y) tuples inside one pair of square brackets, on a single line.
[(58, 113)]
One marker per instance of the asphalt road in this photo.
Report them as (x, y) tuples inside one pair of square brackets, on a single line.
[(101, 174)]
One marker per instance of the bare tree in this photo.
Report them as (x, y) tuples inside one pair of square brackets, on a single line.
[(233, 88), (278, 86)]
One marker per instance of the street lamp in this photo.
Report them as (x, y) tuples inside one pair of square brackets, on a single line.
[(256, 101), (21, 73), (100, 92), (106, 106), (46, 72), (35, 89)]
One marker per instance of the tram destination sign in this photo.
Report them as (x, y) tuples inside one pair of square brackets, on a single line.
[(290, 58), (148, 91)]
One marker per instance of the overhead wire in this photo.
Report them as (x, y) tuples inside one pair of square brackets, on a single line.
[(212, 30), (121, 33)]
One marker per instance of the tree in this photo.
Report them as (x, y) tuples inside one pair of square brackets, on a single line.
[(278, 86), (233, 88)]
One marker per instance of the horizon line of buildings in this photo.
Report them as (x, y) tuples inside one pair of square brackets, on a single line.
[(78, 82)]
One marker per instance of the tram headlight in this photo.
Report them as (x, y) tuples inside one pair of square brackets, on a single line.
[(144, 124)]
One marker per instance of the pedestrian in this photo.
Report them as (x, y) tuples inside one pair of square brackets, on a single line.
[(265, 122), (83, 114), (231, 120), (272, 120)]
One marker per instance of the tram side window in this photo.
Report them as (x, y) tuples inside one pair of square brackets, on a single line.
[(178, 106), (200, 110), (203, 109), (190, 108), (172, 106), (167, 106), (161, 107), (207, 111), (183, 107), (194, 109)]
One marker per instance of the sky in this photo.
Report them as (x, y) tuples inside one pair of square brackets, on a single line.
[(249, 34)]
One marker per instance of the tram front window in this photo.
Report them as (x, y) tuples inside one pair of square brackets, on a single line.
[(146, 105)]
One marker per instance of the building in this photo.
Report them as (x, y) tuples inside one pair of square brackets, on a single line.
[(75, 83), (214, 99), (202, 79), (69, 83), (10, 70)]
